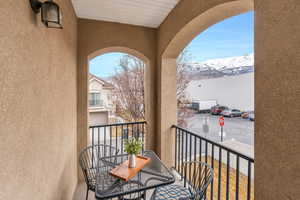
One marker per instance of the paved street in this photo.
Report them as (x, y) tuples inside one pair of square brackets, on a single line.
[(241, 130)]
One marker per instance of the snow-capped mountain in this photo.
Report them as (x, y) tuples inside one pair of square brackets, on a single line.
[(222, 67)]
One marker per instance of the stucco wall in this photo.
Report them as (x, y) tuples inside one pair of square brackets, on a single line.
[(98, 37), (277, 99), (37, 104)]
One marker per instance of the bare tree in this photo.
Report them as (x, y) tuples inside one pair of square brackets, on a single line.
[(183, 81), (129, 88)]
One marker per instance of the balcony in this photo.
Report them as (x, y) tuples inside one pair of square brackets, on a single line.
[(233, 170), (44, 92)]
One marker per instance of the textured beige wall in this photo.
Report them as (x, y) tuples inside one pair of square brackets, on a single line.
[(96, 38), (37, 104), (277, 99)]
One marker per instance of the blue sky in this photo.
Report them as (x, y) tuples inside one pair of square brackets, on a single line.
[(232, 37)]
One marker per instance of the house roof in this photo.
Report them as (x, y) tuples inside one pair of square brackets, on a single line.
[(102, 81)]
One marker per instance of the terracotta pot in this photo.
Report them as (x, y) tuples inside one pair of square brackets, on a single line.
[(132, 160)]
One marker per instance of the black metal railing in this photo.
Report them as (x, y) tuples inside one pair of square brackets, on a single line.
[(233, 171), (115, 134)]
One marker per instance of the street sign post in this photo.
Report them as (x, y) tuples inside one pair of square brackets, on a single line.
[(205, 126), (221, 123)]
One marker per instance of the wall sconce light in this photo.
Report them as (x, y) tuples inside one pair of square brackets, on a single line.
[(50, 13)]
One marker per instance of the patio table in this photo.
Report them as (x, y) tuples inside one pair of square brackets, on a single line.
[(154, 174)]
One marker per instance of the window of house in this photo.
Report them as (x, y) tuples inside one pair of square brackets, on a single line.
[(95, 99)]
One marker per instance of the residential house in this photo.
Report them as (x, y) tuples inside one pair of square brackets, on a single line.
[(101, 106)]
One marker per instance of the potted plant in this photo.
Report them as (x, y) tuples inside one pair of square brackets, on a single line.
[(133, 147)]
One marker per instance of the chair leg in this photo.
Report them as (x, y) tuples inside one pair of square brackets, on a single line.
[(87, 194)]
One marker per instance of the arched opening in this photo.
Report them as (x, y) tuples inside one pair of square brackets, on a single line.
[(167, 98), (117, 96), (83, 96), (215, 77), (184, 145)]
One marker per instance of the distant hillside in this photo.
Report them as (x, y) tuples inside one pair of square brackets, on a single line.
[(221, 67)]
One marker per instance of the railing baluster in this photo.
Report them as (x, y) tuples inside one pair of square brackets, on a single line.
[(127, 132), (143, 136), (186, 146), (98, 136), (212, 165), (186, 155), (175, 148), (122, 138), (220, 173), (179, 147), (93, 135), (227, 175), (138, 131), (237, 176), (205, 162), (182, 146), (104, 137), (190, 166), (195, 148), (200, 150), (206, 151), (249, 181), (110, 139), (117, 136), (132, 131)]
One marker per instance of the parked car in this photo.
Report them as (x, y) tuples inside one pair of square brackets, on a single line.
[(231, 113), (216, 110), (251, 116), (245, 115)]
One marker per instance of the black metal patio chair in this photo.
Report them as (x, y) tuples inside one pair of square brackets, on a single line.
[(197, 177), (88, 160)]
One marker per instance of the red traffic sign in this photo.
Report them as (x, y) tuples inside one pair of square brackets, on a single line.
[(221, 121)]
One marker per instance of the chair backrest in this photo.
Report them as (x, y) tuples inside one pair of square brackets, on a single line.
[(198, 176), (88, 159)]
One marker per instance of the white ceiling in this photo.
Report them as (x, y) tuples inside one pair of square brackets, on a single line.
[(149, 13)]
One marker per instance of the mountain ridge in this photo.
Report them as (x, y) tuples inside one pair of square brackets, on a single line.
[(219, 67)]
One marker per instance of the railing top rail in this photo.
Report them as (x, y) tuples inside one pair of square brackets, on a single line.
[(216, 144), (117, 124)]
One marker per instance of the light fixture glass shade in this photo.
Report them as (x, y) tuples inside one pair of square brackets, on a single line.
[(51, 15)]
